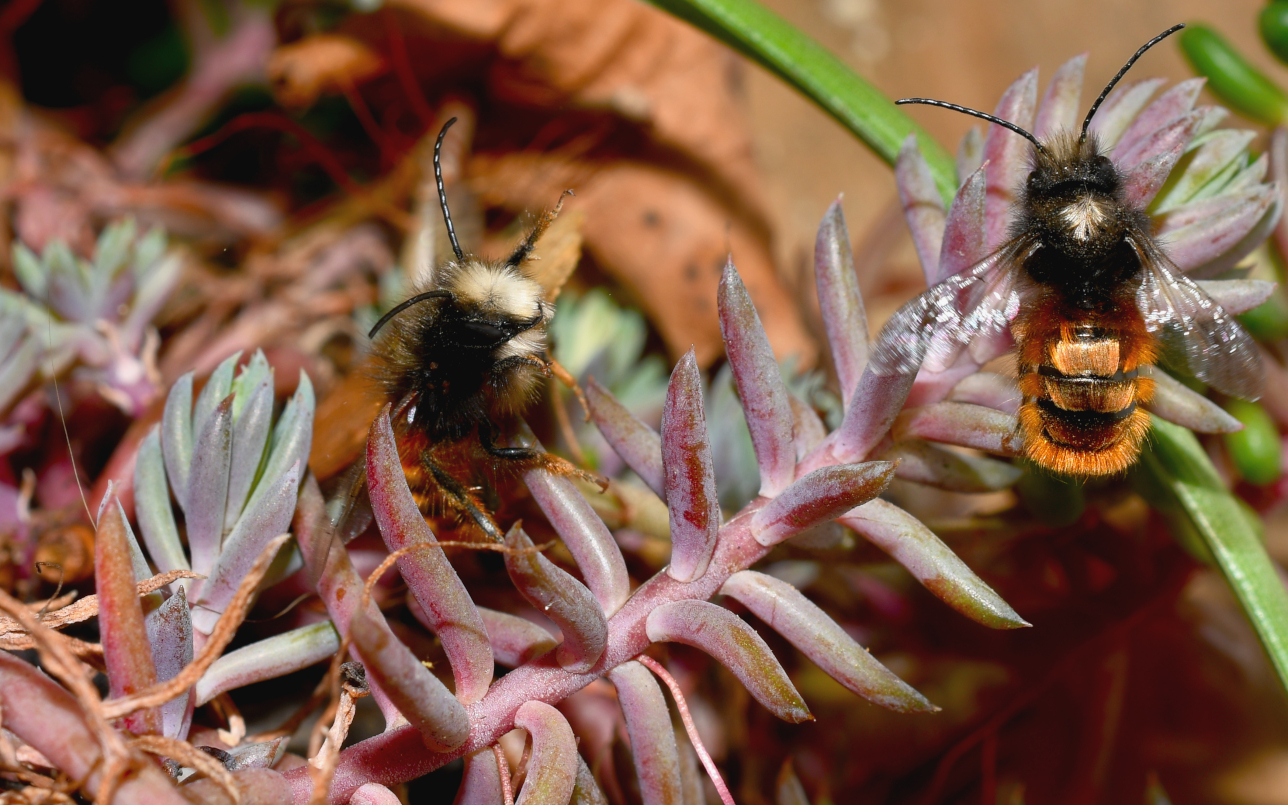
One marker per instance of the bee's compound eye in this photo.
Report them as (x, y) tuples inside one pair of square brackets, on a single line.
[(482, 334)]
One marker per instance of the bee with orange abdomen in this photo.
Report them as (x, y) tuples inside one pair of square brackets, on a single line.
[(459, 362), (1090, 297)]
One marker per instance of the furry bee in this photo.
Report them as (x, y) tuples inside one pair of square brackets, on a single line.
[(459, 362), (1090, 298)]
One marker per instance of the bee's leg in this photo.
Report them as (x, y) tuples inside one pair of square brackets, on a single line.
[(530, 242), (460, 498), (527, 458)]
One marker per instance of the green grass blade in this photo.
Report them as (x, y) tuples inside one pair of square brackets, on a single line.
[(785, 51), (1176, 465)]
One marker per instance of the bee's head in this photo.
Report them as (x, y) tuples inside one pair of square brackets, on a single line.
[(1072, 197), (494, 308)]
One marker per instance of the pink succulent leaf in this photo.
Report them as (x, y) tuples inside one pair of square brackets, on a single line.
[(170, 633), (1209, 237), (970, 154), (819, 497), (208, 487), (910, 543), (268, 516), (1175, 103), (811, 630), (177, 436), (127, 653), (1005, 154), (735, 645), (964, 244), (292, 437), (760, 385), (254, 786), (481, 782), (1251, 176), (586, 791), (933, 386), (638, 445), (561, 598), (218, 386), (1149, 162), (808, 430), (933, 465), (989, 389), (962, 424), (1177, 403), (552, 769), (515, 640), (269, 658), (1221, 152), (589, 541), (261, 755), (1060, 109), (250, 435), (1238, 296), (1278, 151), (50, 720), (431, 578), (338, 584), (424, 701), (648, 722), (873, 410), (923, 209), (1121, 108), (840, 302), (690, 473), (788, 790), (153, 510), (374, 794)]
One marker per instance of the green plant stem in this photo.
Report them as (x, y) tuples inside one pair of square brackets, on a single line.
[(1176, 462), (773, 43)]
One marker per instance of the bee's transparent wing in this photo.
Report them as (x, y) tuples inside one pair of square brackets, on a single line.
[(972, 306), (1198, 337)]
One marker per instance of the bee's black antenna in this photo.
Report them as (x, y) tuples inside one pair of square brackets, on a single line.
[(442, 200), (976, 113), (417, 299), (1108, 87)]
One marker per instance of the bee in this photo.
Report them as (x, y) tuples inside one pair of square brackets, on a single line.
[(1091, 299), (459, 362)]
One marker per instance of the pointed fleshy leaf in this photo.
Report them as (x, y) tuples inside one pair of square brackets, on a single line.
[(807, 627), (1006, 155), (208, 487), (648, 722), (990, 389), (1173, 104), (1060, 107), (269, 516), (839, 299), (584, 534), (218, 386), (152, 507), (690, 473), (970, 154), (425, 702), (788, 788), (586, 791), (515, 640), (552, 768), (760, 384), (481, 782), (923, 208), (373, 794), (29, 272), (961, 424), (250, 435), (1218, 152), (639, 445), (1210, 236), (808, 430), (1238, 296), (964, 244), (561, 598), (177, 437), (735, 645), (443, 599), (818, 498), (292, 437), (931, 562), (932, 465), (170, 633), (261, 755), (1251, 176), (1148, 163), (1121, 108), (1176, 402), (126, 650), (269, 658)]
